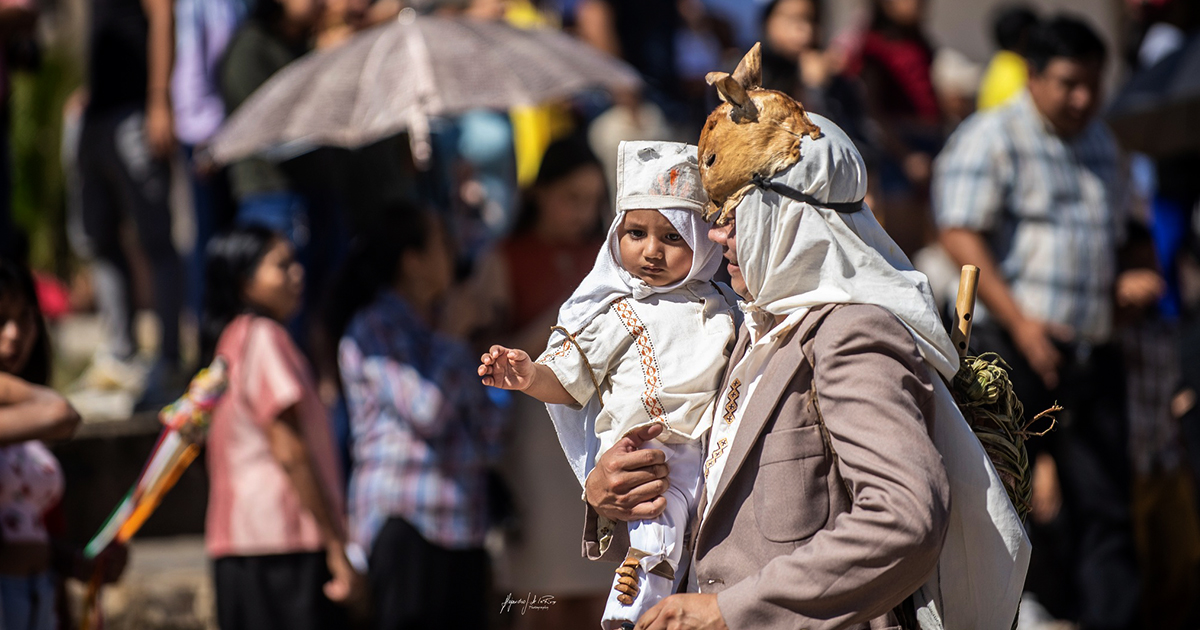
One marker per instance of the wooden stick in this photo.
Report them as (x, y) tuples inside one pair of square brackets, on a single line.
[(964, 308), (91, 599)]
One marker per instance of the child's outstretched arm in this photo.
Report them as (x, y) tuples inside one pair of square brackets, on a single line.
[(510, 368)]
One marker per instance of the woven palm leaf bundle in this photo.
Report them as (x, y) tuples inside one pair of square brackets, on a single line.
[(987, 400)]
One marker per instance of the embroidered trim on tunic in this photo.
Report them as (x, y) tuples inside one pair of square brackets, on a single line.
[(565, 349), (562, 351), (641, 338), (717, 452), (731, 404)]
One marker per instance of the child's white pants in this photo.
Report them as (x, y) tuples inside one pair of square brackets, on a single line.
[(661, 538)]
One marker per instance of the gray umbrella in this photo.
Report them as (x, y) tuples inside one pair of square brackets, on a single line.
[(1158, 111), (396, 76)]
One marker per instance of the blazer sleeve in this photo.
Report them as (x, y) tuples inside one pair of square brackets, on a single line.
[(604, 539), (876, 397)]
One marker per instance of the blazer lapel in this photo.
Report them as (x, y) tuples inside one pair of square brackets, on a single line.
[(777, 375)]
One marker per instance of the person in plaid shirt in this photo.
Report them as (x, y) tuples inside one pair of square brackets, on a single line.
[(423, 432), (1034, 193)]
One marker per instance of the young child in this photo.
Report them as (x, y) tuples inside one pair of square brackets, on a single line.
[(275, 526), (643, 340)]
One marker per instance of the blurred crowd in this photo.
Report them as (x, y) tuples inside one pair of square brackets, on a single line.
[(361, 471)]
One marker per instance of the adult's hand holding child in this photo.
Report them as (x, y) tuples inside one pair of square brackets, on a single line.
[(628, 481)]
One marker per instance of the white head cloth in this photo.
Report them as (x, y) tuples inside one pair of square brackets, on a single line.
[(662, 176), (794, 256)]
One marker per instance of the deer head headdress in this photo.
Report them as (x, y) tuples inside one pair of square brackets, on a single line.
[(751, 137)]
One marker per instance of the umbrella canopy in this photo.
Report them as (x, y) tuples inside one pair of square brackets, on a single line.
[(396, 76), (1158, 111)]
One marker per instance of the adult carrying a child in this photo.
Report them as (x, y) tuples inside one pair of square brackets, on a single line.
[(642, 341), (836, 444)]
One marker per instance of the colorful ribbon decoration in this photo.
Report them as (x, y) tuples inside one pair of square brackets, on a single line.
[(185, 426)]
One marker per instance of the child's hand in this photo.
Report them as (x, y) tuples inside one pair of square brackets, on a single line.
[(507, 368), (345, 583)]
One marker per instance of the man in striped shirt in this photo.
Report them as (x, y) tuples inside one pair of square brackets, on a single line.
[(1035, 195)]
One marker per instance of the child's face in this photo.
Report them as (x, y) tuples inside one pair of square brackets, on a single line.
[(652, 250), (18, 332), (277, 285)]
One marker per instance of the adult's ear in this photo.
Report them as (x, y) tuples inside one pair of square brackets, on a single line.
[(749, 69)]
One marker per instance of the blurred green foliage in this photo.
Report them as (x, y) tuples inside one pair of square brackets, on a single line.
[(39, 184)]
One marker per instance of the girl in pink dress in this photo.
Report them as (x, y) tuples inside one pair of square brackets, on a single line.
[(275, 527)]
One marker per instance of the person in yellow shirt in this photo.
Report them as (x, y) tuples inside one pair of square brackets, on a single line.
[(1006, 74), (534, 126)]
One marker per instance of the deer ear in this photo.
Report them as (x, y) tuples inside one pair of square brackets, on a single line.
[(728, 88), (749, 70)]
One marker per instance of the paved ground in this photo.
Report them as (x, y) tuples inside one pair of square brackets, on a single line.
[(167, 586)]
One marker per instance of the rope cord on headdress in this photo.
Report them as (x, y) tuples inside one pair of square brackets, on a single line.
[(795, 195)]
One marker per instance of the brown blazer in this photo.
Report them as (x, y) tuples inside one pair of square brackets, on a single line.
[(783, 546)]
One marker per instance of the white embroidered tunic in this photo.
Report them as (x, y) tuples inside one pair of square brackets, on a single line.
[(656, 359)]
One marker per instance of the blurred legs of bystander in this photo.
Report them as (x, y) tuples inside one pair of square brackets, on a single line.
[(119, 180)]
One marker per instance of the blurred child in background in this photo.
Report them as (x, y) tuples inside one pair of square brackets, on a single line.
[(275, 527), (31, 480)]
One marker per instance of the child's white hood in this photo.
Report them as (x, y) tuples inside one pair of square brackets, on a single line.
[(663, 176)]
